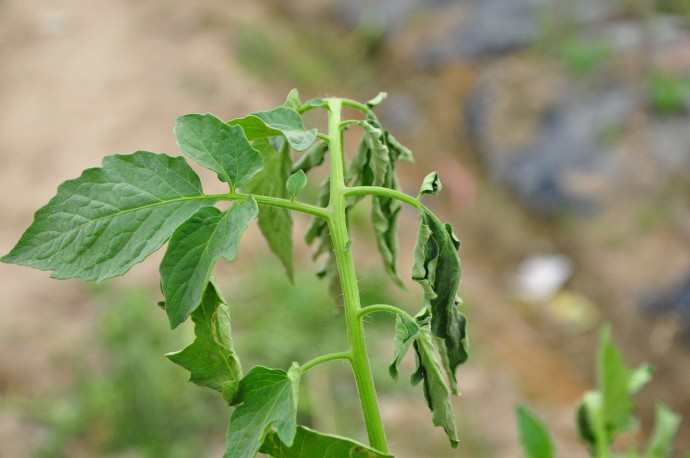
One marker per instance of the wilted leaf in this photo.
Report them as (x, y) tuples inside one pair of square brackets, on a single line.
[(275, 223), (110, 218), (406, 331), (437, 270), (665, 429), (380, 97), (431, 184), (436, 391)]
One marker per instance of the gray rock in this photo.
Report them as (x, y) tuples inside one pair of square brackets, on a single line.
[(565, 164), (669, 138), (674, 300)]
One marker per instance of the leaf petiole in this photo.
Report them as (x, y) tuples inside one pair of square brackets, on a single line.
[(325, 358), (269, 201), (383, 308)]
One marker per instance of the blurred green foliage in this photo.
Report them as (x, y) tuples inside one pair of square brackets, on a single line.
[(132, 400), (668, 93)]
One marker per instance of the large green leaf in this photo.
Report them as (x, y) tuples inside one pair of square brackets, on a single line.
[(275, 223), (194, 249), (211, 358), (436, 391), (266, 400), (283, 121), (534, 435), (309, 443), (437, 270), (99, 225), (218, 147)]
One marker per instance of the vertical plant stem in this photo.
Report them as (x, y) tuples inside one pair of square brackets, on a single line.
[(348, 279)]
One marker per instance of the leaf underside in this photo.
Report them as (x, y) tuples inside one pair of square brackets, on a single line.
[(211, 358), (283, 121), (310, 443), (193, 251), (110, 218), (417, 334), (265, 400)]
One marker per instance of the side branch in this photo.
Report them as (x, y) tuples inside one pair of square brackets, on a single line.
[(391, 194), (277, 202), (384, 308), (325, 358)]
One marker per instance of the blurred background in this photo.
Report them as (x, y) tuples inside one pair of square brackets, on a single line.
[(561, 131)]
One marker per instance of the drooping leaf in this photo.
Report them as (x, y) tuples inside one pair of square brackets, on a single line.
[(406, 331), (265, 400), (374, 165), (589, 421), (211, 358), (194, 249), (296, 183), (312, 157), (665, 428), (534, 435), (380, 97), (436, 391), (437, 270), (110, 218), (283, 121), (431, 184), (275, 223), (310, 443), (218, 147)]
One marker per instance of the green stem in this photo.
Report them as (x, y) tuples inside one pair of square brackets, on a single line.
[(359, 106), (384, 308), (270, 202), (348, 279), (391, 194), (325, 358)]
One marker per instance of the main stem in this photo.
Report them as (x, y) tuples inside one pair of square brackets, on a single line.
[(348, 280)]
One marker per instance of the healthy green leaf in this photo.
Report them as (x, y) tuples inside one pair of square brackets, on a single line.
[(218, 147), (110, 218), (380, 97), (431, 184), (193, 251), (266, 400), (436, 391), (283, 121), (211, 358), (293, 100), (534, 435), (296, 183), (275, 223), (406, 331), (437, 270), (665, 429), (310, 443)]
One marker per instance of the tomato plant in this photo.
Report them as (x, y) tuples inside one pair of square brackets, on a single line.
[(112, 217)]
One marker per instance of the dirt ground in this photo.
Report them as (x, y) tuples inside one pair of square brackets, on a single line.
[(82, 79)]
